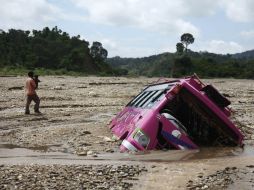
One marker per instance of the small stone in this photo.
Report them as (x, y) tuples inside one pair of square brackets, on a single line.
[(107, 139), (86, 132), (92, 94), (58, 88), (110, 150), (83, 153), (115, 138), (20, 177), (204, 187)]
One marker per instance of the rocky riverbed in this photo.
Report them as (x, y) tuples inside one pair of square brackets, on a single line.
[(228, 178), (69, 176), (74, 119)]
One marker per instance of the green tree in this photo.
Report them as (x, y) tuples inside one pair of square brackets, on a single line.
[(178, 54), (179, 48), (183, 66), (51, 49), (98, 52), (187, 39)]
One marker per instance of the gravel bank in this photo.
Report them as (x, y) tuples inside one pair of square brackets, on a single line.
[(69, 176), (228, 178)]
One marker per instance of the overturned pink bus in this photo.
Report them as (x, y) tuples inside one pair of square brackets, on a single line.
[(177, 114)]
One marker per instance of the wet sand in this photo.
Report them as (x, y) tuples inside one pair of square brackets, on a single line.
[(73, 131)]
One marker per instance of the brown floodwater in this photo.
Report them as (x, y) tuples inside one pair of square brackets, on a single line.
[(37, 148), (13, 154)]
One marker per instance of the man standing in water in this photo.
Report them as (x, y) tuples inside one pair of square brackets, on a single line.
[(31, 94)]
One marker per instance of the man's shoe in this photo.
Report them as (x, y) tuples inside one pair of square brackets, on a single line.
[(37, 112), (27, 113)]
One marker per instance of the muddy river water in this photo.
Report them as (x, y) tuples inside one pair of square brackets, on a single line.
[(12, 154), (70, 140)]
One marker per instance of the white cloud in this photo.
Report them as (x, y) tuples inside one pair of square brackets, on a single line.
[(200, 8), (239, 10), (110, 45), (222, 47), (248, 34), (27, 14), (158, 15), (168, 17), (161, 16)]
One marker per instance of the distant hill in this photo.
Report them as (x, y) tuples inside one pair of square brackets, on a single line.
[(205, 64), (156, 65), (244, 55)]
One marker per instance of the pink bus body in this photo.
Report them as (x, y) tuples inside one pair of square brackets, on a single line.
[(179, 114)]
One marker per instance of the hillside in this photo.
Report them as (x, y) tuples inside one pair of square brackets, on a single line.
[(205, 64), (244, 55)]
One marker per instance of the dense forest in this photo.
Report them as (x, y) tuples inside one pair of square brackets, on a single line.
[(186, 62), (51, 49), (205, 64)]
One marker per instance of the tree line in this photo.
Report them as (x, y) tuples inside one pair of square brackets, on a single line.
[(204, 64), (55, 50), (186, 62), (51, 49)]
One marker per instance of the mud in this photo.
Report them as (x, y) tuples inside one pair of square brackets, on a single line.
[(72, 130)]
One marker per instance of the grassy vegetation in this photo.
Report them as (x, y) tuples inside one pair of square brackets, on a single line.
[(16, 71), (20, 71)]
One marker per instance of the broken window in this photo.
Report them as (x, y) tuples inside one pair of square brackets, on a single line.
[(148, 97)]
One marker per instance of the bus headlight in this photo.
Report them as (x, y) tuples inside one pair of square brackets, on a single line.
[(141, 138)]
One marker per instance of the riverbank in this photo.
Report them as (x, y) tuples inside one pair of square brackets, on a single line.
[(74, 119)]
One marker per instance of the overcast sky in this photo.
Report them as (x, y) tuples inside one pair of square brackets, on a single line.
[(137, 28)]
